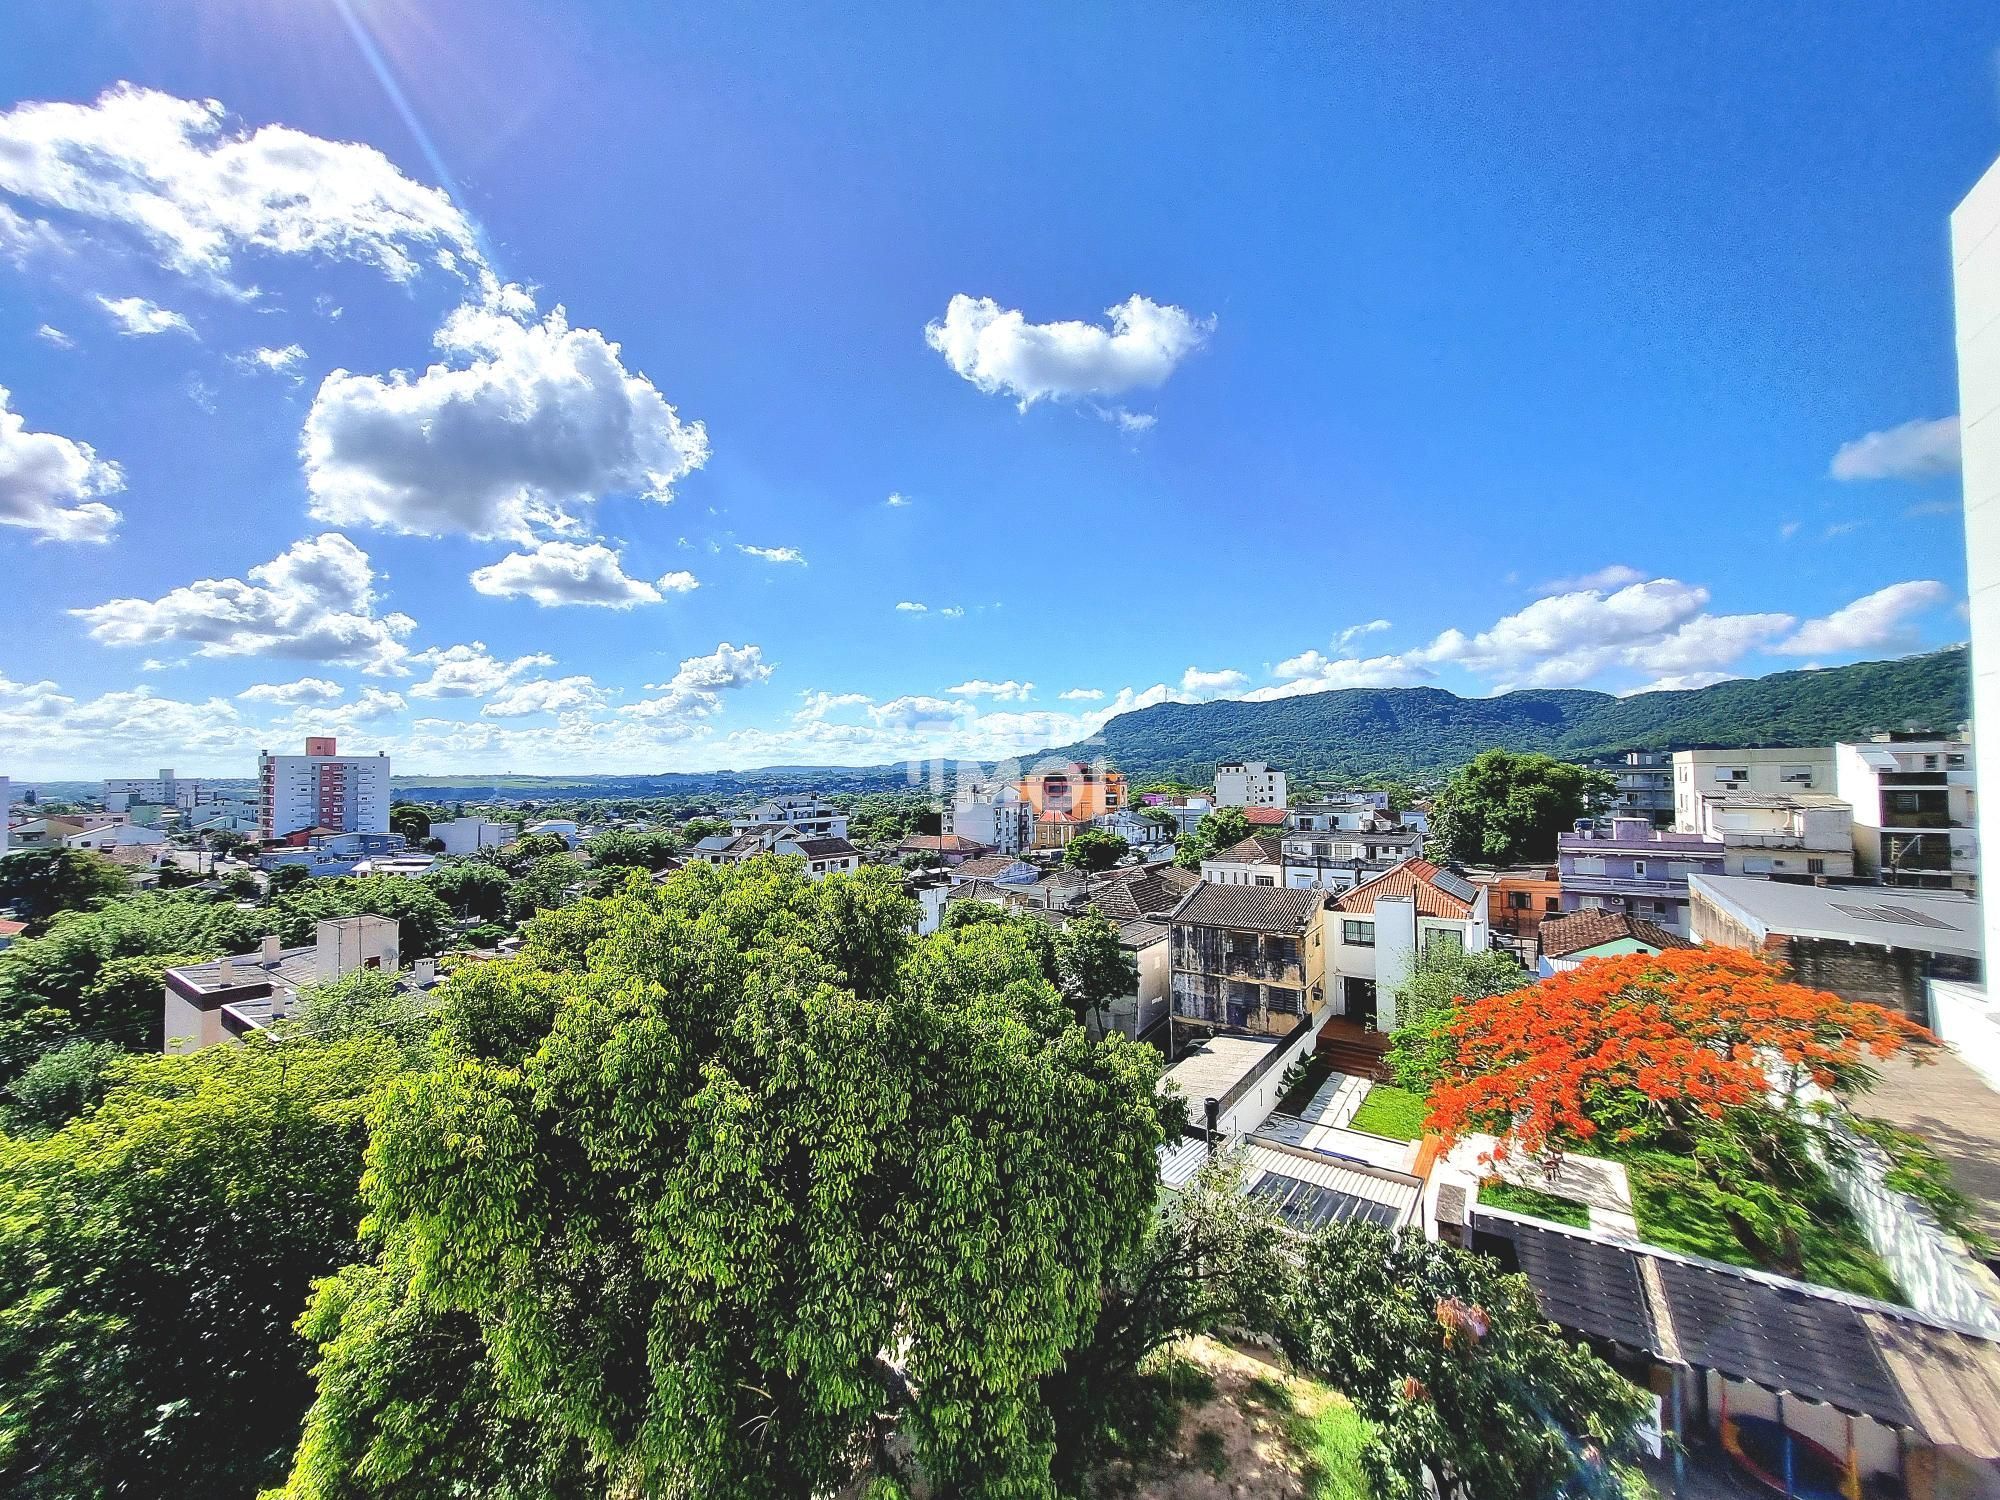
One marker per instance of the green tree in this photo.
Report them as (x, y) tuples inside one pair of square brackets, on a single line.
[(1094, 849), (542, 886), (424, 921), (1037, 934), (153, 1256), (1454, 1362), (411, 821), (702, 1160), (694, 830), (57, 1087), (1428, 1001), (1507, 808), (38, 883), (626, 850), (472, 888), (1095, 967), (286, 879), (1217, 830)]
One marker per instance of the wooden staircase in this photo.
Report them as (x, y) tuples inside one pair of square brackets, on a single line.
[(1349, 1048)]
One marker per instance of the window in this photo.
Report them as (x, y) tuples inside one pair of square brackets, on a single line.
[(1551, 903), (1638, 869), (1358, 934), (1443, 942), (1266, 880), (1732, 774), (1815, 867), (1518, 900), (1796, 775)]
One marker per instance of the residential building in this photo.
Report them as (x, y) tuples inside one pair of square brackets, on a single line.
[(945, 848), (6, 812), (225, 812), (1975, 258), (1800, 834), (1257, 860), (565, 829), (1005, 869), (822, 856), (225, 998), (1078, 792), (322, 789), (1518, 901), (1568, 941), (995, 814), (1375, 932), (1644, 785), (1248, 783), (1138, 830), (1697, 772), (1054, 830), (1913, 810), (1350, 811), (115, 836), (727, 849), (57, 829), (1336, 858), (1246, 958), (10, 930), (1860, 942), (1628, 865), (809, 814), (470, 835), (163, 790), (324, 854)]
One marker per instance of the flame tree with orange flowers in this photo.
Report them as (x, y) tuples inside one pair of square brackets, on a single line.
[(1701, 1052)]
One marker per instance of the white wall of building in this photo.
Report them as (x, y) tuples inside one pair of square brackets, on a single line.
[(1248, 783), (291, 789), (470, 835), (1975, 254), (1771, 772), (1859, 772)]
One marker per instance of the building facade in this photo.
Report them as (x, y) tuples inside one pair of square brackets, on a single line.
[(1248, 783), (1913, 810), (804, 811), (321, 789), (1376, 932), (1767, 833), (1076, 791), (470, 835), (1628, 865), (1975, 257), (1644, 785), (1778, 772), (991, 813), (1246, 958)]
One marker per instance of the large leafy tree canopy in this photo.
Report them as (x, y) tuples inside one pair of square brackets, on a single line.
[(1676, 1051), (1216, 830), (1505, 808), (695, 1168), (1428, 1001), (1094, 849), (38, 883), (154, 1254), (1453, 1361)]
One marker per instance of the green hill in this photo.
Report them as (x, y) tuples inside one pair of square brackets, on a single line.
[(1359, 732)]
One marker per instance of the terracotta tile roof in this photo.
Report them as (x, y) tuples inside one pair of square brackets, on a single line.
[(1428, 884), (1152, 891), (1265, 817), (942, 843), (987, 864), (1252, 851), (1562, 936), (1257, 908)]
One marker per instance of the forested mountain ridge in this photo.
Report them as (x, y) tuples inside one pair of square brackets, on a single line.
[(1356, 732)]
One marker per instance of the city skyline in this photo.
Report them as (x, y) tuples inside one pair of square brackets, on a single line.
[(703, 404)]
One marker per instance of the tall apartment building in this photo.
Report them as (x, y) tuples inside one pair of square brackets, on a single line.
[(1644, 785), (1248, 783), (991, 813), (1975, 259), (1079, 792), (321, 789), (1772, 772), (163, 790), (6, 810), (801, 810), (1913, 810)]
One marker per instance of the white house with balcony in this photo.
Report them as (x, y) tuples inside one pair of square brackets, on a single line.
[(808, 814), (1914, 818), (993, 813), (1775, 772), (1772, 833), (1376, 931)]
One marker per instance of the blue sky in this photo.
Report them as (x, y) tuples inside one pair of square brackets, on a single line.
[(525, 387)]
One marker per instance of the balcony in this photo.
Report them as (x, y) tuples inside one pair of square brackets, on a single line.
[(1626, 885)]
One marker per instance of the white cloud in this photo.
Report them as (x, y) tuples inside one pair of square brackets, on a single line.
[(1312, 672), (916, 711), (281, 360), (1921, 449), (680, 581), (374, 705), (534, 417), (48, 333), (952, 611), (897, 500), (588, 573), (1683, 682), (999, 350), (1355, 632), (315, 601), (545, 695), (177, 177), (1131, 421), (1787, 531), (695, 691), (911, 607), (50, 733), (137, 318), (1212, 684), (292, 694), (818, 705), (1568, 638), (1874, 622), (1605, 579), (1082, 695), (1009, 691), (471, 671), (49, 483), (774, 554)]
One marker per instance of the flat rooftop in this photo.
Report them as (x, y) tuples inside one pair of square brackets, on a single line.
[(1887, 916), (1209, 1068)]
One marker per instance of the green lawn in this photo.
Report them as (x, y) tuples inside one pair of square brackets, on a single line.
[(1325, 1429), (1389, 1111), (1527, 1200), (1835, 1253)]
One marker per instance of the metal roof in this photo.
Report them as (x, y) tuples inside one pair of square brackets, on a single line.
[(1309, 1190), (1886, 916), (1262, 908)]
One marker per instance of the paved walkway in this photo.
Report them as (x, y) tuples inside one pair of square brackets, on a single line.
[(1950, 1106), (1319, 1126)]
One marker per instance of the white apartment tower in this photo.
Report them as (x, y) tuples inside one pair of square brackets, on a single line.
[(1248, 783), (321, 789), (1975, 258)]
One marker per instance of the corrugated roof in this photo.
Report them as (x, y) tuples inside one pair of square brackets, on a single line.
[(1308, 1191), (1419, 880), (1888, 917), (1259, 908), (1561, 936), (1951, 1381)]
